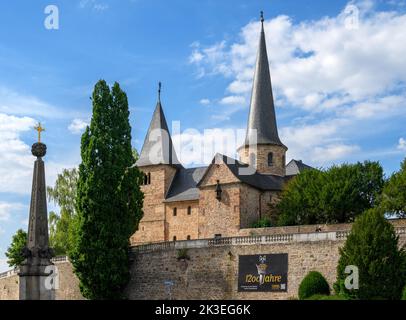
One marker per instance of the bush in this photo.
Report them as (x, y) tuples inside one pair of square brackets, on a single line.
[(404, 293), (372, 246), (313, 284), (262, 223)]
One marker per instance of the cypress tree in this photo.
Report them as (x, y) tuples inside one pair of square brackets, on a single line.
[(109, 200), (372, 246)]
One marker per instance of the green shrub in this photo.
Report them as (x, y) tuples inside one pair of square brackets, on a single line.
[(313, 284), (262, 223), (404, 293), (372, 246)]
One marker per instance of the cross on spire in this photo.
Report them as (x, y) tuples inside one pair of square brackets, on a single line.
[(159, 91), (39, 129), (262, 17)]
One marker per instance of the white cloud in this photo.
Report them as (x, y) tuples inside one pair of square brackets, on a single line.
[(16, 160), (6, 208), (4, 265), (233, 100), (93, 4), (204, 102), (77, 126), (14, 103), (402, 144)]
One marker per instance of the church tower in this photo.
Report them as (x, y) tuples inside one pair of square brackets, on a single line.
[(159, 163), (262, 148)]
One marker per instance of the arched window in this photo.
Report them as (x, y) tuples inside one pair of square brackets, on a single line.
[(283, 160), (188, 237), (145, 179), (253, 159), (189, 210), (174, 238), (270, 159), (149, 177), (175, 211)]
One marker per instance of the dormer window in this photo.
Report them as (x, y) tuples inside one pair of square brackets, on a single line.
[(270, 159)]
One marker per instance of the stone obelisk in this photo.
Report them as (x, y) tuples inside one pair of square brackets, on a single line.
[(36, 270)]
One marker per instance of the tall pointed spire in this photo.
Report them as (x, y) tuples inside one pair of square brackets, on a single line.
[(35, 270), (158, 146), (262, 119)]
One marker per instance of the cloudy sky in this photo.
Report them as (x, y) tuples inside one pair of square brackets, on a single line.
[(338, 71)]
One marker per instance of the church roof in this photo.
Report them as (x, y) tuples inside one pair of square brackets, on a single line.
[(184, 185), (294, 167), (158, 146), (256, 180), (262, 110)]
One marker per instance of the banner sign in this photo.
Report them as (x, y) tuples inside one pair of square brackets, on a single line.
[(263, 273)]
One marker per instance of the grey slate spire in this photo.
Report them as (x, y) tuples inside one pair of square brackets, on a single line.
[(158, 146), (262, 110), (35, 270)]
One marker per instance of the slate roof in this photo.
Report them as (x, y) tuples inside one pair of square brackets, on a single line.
[(294, 167), (158, 134), (184, 185), (262, 110), (256, 180)]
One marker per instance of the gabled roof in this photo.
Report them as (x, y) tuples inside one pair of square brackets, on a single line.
[(294, 167), (158, 146), (184, 185), (262, 118), (250, 177)]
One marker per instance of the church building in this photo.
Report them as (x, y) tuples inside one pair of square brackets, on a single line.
[(228, 195)]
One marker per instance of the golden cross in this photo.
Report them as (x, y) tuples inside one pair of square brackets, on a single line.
[(39, 128)]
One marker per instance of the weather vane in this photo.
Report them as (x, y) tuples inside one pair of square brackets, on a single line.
[(39, 129)]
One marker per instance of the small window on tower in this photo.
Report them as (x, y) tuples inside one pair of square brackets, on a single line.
[(174, 238), (189, 210), (149, 177), (145, 180), (175, 212), (188, 237), (283, 160), (270, 159)]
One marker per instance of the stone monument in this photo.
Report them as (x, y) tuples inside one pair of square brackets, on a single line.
[(36, 271)]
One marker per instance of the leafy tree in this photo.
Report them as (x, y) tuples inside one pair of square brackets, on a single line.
[(109, 200), (394, 193), (61, 226), (372, 246), (14, 252), (336, 195)]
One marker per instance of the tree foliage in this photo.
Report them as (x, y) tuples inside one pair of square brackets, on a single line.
[(394, 193), (61, 227), (313, 284), (372, 246), (109, 200), (14, 252), (336, 195)]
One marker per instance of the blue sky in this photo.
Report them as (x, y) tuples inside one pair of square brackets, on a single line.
[(339, 83)]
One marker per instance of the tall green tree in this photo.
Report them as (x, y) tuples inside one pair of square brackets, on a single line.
[(14, 252), (336, 195), (109, 200), (61, 226), (394, 193), (372, 246)]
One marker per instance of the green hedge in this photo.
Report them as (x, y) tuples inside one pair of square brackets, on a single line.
[(323, 297), (404, 293), (313, 284)]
